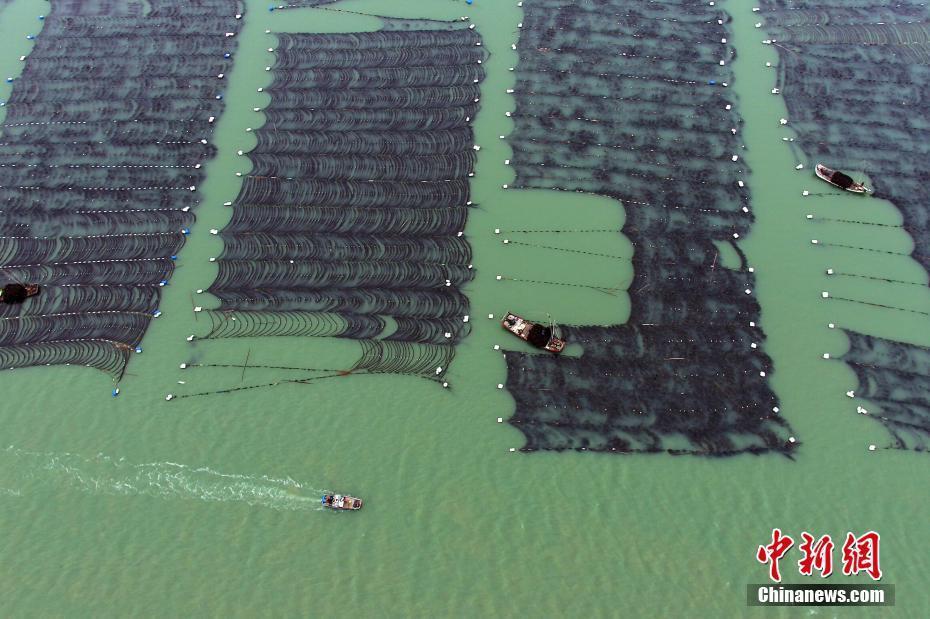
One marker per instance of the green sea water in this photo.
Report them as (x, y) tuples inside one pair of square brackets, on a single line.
[(210, 505)]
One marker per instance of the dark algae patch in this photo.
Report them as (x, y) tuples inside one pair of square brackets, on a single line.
[(630, 102), (854, 77), (103, 143), (350, 223)]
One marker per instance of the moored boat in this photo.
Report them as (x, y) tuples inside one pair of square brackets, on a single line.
[(838, 179), (540, 336), (340, 502), (17, 293)]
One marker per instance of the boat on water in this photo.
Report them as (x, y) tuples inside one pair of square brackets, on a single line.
[(340, 502), (540, 336), (17, 293), (838, 179)]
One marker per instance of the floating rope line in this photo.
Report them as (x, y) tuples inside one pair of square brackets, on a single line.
[(566, 249), (868, 249), (880, 279), (855, 221), (613, 291), (883, 306), (611, 230)]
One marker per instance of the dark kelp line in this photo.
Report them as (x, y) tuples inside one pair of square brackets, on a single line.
[(686, 374), (854, 77), (351, 221), (103, 144)]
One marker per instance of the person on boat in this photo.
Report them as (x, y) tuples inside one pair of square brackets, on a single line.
[(17, 293)]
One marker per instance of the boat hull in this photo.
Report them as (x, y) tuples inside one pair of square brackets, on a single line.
[(522, 328), (826, 174)]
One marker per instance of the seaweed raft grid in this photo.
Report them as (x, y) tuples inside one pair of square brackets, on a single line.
[(102, 148), (854, 77), (627, 101), (350, 223)]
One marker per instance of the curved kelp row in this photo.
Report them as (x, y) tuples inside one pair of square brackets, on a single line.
[(854, 77), (103, 145), (629, 102), (350, 223)]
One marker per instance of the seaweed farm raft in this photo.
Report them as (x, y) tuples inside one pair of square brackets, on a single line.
[(104, 140), (686, 373), (351, 222)]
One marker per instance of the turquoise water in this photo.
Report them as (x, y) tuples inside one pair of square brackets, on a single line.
[(208, 505)]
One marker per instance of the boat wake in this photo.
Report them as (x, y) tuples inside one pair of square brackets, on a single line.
[(105, 475)]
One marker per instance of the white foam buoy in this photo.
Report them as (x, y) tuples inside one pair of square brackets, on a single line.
[(465, 318), (497, 347), (200, 291), (850, 394), (826, 355), (500, 385), (800, 166), (783, 121), (499, 277), (791, 439), (831, 326), (809, 216), (490, 316), (814, 241), (183, 366), (497, 230), (198, 309), (872, 448), (190, 338), (227, 203), (825, 294), (506, 241), (512, 450), (170, 396), (734, 157), (500, 420), (805, 193), (829, 271), (439, 370)]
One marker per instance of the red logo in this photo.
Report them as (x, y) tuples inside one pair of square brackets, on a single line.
[(860, 554), (817, 555), (772, 553)]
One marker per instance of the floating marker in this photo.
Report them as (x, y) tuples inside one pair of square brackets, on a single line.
[(497, 347), (831, 326), (825, 294), (198, 309), (169, 397), (791, 439), (190, 338), (183, 366), (826, 355), (498, 277), (800, 166), (500, 385), (850, 394), (500, 420), (872, 447), (490, 316), (200, 291), (138, 349), (805, 193), (156, 313)]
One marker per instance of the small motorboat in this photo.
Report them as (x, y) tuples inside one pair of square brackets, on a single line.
[(17, 293), (534, 334), (838, 179), (340, 502)]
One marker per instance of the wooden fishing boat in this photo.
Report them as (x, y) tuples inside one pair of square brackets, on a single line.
[(537, 335), (838, 179), (17, 293), (340, 502)]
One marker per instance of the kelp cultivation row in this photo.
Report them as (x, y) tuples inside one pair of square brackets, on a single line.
[(854, 78), (103, 144), (350, 223), (686, 373)]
